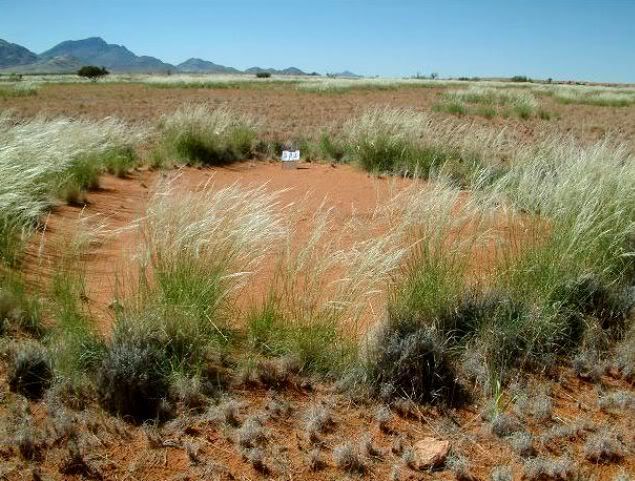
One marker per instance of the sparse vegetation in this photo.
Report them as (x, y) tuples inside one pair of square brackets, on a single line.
[(513, 262)]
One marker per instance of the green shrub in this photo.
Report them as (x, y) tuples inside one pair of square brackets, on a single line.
[(30, 372), (92, 72), (263, 74)]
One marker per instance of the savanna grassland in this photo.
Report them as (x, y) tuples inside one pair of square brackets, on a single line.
[(452, 260)]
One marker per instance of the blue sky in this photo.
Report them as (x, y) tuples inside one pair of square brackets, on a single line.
[(562, 39)]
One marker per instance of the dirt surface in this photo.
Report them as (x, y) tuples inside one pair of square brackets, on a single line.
[(287, 113), (111, 449)]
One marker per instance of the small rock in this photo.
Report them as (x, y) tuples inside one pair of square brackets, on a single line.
[(430, 452)]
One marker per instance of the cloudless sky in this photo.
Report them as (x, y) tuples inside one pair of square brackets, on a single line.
[(562, 39)]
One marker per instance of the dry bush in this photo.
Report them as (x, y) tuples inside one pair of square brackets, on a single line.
[(347, 457)]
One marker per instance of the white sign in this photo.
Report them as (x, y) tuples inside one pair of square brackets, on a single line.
[(290, 156)]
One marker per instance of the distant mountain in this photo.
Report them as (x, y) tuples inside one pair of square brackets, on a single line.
[(347, 74), (96, 51), (273, 71), (197, 65), (69, 56), (13, 54), (59, 64)]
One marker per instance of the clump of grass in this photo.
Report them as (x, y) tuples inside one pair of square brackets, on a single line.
[(413, 362), (256, 457), (348, 458), (308, 315), (30, 371), (501, 473), (251, 433), (561, 469), (409, 350), (314, 460), (198, 249), (29, 442), (318, 420), (200, 135), (331, 148), (383, 416), (603, 97), (20, 311), (76, 346), (523, 444), (410, 143), (488, 101), (504, 425), (227, 412), (45, 160), (623, 400), (603, 447)]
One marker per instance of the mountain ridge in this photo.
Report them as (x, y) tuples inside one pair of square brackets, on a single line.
[(69, 55)]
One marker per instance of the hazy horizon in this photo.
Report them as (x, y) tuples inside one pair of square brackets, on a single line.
[(562, 39)]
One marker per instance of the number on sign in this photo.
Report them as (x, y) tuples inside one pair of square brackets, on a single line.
[(290, 156)]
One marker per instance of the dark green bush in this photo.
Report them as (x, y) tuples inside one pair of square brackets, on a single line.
[(263, 75), (92, 72)]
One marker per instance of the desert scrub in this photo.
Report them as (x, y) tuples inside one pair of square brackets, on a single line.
[(407, 142), (598, 96), (200, 135)]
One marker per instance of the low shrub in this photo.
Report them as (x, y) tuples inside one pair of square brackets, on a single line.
[(412, 362), (603, 447), (30, 372), (348, 458), (132, 381)]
